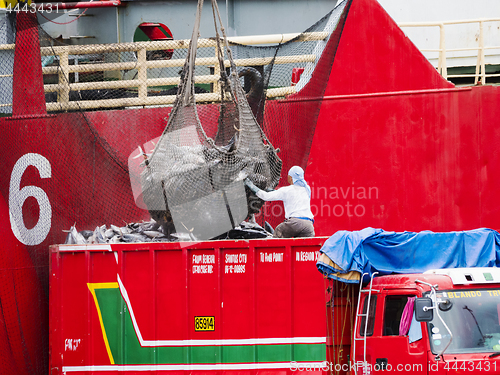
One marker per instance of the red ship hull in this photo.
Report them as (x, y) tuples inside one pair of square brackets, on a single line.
[(394, 146)]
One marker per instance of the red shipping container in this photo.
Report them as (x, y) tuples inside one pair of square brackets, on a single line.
[(240, 306)]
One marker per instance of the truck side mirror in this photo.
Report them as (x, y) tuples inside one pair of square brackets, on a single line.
[(423, 309)]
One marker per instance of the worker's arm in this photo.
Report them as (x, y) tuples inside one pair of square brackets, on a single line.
[(274, 195)]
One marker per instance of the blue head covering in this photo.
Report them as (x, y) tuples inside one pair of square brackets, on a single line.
[(297, 175)]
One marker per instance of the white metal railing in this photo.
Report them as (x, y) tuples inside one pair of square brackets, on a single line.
[(64, 53), (142, 65), (480, 71)]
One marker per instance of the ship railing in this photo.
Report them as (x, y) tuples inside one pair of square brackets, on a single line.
[(480, 50), (63, 54), (73, 53)]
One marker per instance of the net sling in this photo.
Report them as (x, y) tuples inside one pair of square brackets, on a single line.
[(192, 183)]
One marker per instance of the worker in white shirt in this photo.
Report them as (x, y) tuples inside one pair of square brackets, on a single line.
[(299, 220)]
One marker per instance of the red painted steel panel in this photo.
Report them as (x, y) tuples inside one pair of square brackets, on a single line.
[(238, 283), (412, 155), (266, 298), (374, 55), (411, 162), (28, 95), (404, 160), (22, 297)]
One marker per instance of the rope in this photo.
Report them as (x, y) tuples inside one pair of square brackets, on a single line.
[(64, 23), (226, 43), (215, 8), (190, 61), (220, 57)]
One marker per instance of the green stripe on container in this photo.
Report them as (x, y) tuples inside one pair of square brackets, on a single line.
[(126, 349)]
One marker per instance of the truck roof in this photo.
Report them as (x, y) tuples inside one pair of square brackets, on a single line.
[(374, 250)]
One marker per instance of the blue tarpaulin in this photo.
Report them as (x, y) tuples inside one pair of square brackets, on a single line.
[(370, 250)]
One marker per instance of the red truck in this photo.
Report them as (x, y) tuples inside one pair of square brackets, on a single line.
[(456, 327), (261, 306), (238, 306)]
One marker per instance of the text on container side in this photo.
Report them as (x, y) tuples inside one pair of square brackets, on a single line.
[(203, 263), (235, 263)]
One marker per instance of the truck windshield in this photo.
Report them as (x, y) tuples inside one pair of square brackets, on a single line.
[(473, 316)]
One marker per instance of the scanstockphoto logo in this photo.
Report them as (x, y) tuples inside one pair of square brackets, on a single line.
[(359, 367), (335, 201), (338, 201), (61, 13)]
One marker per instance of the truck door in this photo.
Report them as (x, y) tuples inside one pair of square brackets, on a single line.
[(388, 346)]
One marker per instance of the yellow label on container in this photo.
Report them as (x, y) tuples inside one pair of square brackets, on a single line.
[(204, 323)]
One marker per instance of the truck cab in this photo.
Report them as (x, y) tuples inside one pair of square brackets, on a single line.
[(460, 331)]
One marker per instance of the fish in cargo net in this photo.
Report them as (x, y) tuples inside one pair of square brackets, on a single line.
[(192, 183)]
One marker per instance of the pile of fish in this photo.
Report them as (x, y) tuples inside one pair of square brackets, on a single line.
[(151, 231), (188, 173)]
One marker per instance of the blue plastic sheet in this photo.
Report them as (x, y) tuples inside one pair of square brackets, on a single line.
[(375, 250)]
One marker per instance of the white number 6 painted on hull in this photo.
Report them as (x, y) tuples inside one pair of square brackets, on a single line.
[(18, 196)]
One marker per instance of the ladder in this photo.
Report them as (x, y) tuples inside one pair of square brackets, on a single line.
[(365, 315)]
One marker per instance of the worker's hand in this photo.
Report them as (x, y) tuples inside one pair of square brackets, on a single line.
[(251, 185)]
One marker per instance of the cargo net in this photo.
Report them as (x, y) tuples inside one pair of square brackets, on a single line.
[(193, 183)]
